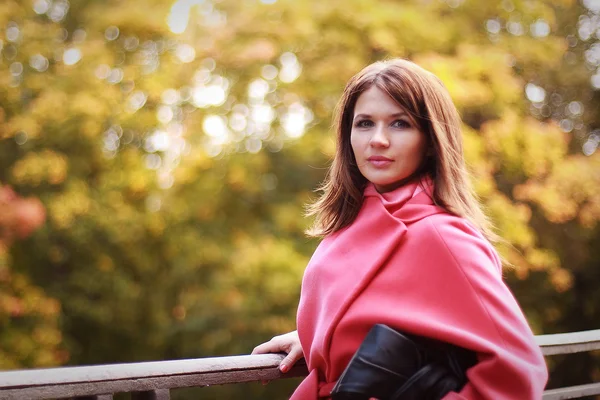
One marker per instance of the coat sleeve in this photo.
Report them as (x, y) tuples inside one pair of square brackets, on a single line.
[(483, 316)]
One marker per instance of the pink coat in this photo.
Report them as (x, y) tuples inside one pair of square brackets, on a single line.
[(409, 264)]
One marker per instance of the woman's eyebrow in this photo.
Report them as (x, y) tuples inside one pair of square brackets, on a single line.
[(395, 115)]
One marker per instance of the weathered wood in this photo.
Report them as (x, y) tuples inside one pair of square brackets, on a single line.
[(152, 380), (140, 377), (102, 373), (573, 392), (567, 343), (158, 394)]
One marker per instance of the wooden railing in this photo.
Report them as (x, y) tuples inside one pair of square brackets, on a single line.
[(569, 343), (154, 380)]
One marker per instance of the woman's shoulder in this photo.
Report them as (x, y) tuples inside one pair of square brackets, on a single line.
[(448, 223), (455, 236)]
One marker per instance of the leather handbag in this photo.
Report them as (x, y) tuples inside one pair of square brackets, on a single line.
[(391, 365)]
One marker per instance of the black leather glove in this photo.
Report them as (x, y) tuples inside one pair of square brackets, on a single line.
[(390, 365)]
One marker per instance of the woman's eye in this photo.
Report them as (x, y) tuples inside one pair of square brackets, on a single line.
[(400, 124), (365, 123)]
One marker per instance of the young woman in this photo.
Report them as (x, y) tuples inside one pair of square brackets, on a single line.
[(406, 244)]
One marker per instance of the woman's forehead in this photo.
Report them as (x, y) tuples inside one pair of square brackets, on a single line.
[(375, 101)]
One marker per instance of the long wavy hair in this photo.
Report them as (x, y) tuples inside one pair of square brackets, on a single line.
[(426, 99)]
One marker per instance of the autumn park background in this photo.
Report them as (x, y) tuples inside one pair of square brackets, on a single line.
[(156, 157)]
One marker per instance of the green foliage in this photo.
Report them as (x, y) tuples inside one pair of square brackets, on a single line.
[(174, 167), (30, 334)]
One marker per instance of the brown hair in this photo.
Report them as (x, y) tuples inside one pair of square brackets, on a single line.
[(428, 102)]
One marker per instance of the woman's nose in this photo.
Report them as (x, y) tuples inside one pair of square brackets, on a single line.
[(379, 137)]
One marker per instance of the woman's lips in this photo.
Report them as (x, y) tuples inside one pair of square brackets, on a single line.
[(379, 161)]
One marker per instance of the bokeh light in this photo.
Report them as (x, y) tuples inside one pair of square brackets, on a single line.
[(111, 33), (72, 56), (58, 10), (39, 62), (12, 33), (136, 101), (534, 93), (540, 29), (41, 6), (290, 67), (179, 15)]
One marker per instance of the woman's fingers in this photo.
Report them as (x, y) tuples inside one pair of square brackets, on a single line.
[(288, 362), (259, 349), (278, 344), (268, 347), (263, 348), (288, 343)]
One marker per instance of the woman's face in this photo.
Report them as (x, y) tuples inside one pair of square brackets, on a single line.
[(387, 144)]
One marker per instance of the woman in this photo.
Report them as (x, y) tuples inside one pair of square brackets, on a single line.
[(406, 244)]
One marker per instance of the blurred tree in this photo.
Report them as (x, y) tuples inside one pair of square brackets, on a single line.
[(174, 144), (30, 333)]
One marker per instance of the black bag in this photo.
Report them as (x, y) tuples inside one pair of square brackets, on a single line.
[(390, 365)]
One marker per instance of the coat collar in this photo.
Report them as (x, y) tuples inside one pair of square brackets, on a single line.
[(408, 203)]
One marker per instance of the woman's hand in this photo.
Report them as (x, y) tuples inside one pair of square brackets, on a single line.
[(288, 343)]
